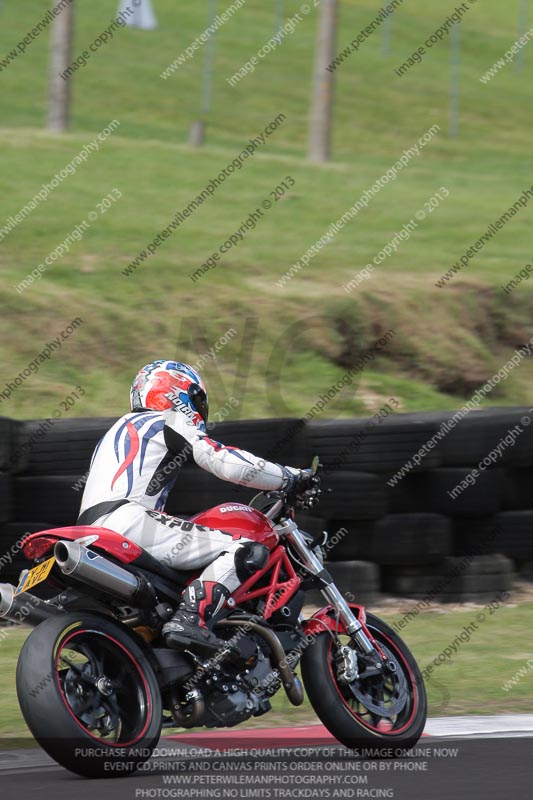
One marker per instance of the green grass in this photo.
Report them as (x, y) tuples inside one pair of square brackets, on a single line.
[(11, 723), (448, 340), (469, 683)]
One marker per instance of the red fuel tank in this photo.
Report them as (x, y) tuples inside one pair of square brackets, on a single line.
[(240, 519)]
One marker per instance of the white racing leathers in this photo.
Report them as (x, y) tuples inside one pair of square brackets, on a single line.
[(139, 460)]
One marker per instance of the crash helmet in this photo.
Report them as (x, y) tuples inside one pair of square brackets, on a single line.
[(162, 385)]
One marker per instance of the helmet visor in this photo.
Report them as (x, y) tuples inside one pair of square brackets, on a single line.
[(199, 400)]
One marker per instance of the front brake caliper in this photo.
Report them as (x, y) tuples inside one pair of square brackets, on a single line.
[(347, 667)]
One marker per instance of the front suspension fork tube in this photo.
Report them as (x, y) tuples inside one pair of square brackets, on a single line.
[(289, 529)]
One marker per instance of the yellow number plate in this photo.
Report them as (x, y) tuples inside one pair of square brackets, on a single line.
[(31, 577)]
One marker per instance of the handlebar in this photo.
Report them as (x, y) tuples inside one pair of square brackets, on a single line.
[(273, 504)]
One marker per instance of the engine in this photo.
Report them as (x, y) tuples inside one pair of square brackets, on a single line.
[(237, 683), (232, 697)]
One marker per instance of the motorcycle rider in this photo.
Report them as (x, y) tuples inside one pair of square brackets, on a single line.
[(135, 465)]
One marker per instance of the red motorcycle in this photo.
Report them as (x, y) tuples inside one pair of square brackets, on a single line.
[(96, 683)]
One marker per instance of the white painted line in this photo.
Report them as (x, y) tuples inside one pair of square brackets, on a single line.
[(499, 724)]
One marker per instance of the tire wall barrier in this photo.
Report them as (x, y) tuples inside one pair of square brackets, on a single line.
[(412, 506)]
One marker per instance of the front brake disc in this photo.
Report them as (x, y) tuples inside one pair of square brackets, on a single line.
[(394, 700)]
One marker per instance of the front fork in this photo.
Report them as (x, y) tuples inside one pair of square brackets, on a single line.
[(288, 529)]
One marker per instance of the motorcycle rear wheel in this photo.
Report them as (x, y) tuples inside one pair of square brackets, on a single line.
[(385, 715), (89, 695)]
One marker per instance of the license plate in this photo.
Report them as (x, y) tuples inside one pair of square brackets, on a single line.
[(31, 577)]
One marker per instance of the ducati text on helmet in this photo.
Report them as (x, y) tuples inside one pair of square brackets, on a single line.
[(170, 384)]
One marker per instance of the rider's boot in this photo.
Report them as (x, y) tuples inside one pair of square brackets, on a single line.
[(202, 602)]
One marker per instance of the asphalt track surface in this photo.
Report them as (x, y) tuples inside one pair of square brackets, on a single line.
[(291, 763)]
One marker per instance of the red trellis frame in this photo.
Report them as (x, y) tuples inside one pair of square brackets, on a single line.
[(277, 591)]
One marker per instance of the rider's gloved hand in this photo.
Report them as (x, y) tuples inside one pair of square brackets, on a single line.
[(297, 480)]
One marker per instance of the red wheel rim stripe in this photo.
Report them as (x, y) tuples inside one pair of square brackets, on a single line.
[(147, 692)]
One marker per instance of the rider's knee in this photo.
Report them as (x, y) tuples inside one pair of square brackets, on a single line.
[(250, 558)]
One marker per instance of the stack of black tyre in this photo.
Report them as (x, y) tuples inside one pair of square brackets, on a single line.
[(428, 541), (47, 463), (407, 534)]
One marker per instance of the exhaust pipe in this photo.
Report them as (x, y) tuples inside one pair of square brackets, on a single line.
[(197, 715), (94, 570), (24, 607)]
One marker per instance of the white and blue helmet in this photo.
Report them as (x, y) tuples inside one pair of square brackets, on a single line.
[(170, 384)]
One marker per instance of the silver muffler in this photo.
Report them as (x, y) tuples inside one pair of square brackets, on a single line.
[(76, 561), (24, 608)]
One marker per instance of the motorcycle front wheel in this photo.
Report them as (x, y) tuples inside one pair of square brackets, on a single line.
[(89, 695), (383, 714)]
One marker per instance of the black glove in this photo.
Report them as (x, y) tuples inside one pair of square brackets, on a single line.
[(297, 482)]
